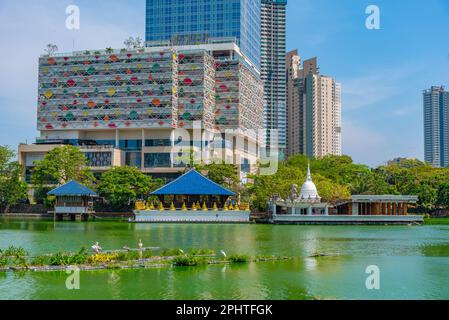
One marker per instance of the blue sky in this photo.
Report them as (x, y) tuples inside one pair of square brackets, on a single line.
[(382, 71)]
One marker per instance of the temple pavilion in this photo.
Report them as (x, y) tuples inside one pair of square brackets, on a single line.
[(191, 189)]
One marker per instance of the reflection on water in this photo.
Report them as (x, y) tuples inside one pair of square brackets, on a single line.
[(413, 261)]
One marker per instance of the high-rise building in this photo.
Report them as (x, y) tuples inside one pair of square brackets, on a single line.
[(191, 22), (140, 108), (293, 63), (314, 120), (273, 48), (436, 126)]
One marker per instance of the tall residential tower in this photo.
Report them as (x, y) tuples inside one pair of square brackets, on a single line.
[(273, 50), (436, 126), (314, 122)]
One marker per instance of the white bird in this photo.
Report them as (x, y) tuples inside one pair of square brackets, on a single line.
[(223, 253), (96, 247), (140, 244)]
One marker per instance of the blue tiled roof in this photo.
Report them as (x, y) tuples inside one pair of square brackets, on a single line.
[(193, 183), (72, 188)]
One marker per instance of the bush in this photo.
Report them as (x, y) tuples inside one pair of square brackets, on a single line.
[(171, 252), (66, 259), (201, 252), (12, 251), (185, 261), (3, 261), (238, 258), (41, 261)]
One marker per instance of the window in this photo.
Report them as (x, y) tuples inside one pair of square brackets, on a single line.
[(157, 160)]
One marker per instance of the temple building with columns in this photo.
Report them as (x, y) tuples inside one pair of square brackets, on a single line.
[(308, 208)]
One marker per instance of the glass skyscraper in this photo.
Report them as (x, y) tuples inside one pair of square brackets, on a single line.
[(436, 126), (190, 22)]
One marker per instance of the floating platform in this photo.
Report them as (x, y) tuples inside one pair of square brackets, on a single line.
[(347, 220), (153, 216)]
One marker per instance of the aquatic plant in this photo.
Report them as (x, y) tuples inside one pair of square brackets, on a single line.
[(239, 258), (102, 258), (67, 259), (171, 252), (3, 261), (201, 252), (185, 261), (13, 251), (44, 260)]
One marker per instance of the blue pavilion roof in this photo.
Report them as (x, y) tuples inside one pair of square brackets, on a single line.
[(72, 188), (193, 183)]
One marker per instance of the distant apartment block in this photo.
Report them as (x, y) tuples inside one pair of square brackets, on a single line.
[(436, 126), (314, 110)]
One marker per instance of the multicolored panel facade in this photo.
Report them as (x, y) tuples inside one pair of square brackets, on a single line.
[(109, 91), (145, 90), (196, 89)]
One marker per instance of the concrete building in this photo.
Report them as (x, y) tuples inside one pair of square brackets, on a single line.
[(293, 64), (314, 122), (436, 126), (273, 49), (143, 107)]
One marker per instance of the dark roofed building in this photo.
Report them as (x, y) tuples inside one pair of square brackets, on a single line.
[(192, 188), (73, 199)]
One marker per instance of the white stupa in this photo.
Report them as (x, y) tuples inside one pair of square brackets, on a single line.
[(309, 192)]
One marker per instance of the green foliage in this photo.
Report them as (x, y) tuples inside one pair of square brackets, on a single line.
[(186, 261), (171, 252), (12, 251), (201, 252), (61, 165), (238, 258), (223, 174), (443, 195), (122, 186), (12, 188), (39, 261), (337, 178), (67, 259)]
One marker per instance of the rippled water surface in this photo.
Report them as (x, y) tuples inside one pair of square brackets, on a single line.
[(414, 261)]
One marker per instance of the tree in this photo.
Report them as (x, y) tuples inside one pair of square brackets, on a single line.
[(12, 188), (443, 195), (224, 174), (133, 43), (129, 43), (122, 186), (51, 49), (62, 165)]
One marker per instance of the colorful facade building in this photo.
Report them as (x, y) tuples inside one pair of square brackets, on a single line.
[(150, 108)]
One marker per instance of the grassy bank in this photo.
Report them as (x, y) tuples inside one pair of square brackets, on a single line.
[(436, 221), (17, 259)]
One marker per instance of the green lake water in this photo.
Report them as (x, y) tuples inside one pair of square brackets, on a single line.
[(413, 261)]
